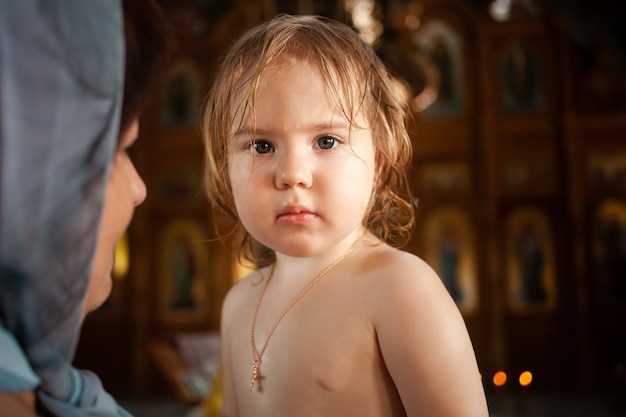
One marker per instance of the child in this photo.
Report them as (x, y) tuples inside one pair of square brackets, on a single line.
[(307, 150)]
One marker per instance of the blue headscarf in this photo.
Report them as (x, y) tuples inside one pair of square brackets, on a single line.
[(61, 79)]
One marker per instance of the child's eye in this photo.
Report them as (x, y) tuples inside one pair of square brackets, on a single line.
[(326, 142), (262, 146)]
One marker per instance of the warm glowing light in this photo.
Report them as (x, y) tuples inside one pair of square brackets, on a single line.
[(424, 99), (500, 10), (525, 378), (122, 258), (362, 12), (242, 269), (412, 22), (499, 378)]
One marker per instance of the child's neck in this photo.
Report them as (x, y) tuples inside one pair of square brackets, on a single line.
[(294, 267)]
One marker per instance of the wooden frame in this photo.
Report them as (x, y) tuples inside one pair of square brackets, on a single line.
[(176, 182), (528, 172), (449, 177)]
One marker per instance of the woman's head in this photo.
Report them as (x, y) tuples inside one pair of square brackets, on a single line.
[(148, 38), (147, 46), (356, 81)]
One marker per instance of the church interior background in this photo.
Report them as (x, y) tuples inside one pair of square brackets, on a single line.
[(519, 137)]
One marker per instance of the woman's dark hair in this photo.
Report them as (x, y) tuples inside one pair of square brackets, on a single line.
[(149, 43)]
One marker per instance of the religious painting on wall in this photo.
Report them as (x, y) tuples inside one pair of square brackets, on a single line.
[(449, 248), (531, 279), (183, 287), (182, 95), (441, 48), (609, 250), (522, 78)]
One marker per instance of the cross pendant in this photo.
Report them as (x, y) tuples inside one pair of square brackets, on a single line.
[(255, 373)]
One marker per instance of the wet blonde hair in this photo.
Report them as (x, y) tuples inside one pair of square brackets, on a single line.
[(356, 80)]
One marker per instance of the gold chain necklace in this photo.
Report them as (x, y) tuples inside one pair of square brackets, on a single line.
[(256, 355)]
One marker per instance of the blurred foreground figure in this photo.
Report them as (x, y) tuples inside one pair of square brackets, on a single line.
[(71, 88)]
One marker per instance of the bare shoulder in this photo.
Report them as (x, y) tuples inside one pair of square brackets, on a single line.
[(422, 336), (404, 287), (243, 287), (396, 261), (396, 273), (243, 292)]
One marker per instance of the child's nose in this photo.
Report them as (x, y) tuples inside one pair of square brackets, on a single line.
[(293, 171)]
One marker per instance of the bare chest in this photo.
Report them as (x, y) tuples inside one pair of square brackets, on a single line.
[(323, 357)]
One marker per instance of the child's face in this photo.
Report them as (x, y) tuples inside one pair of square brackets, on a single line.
[(302, 182)]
